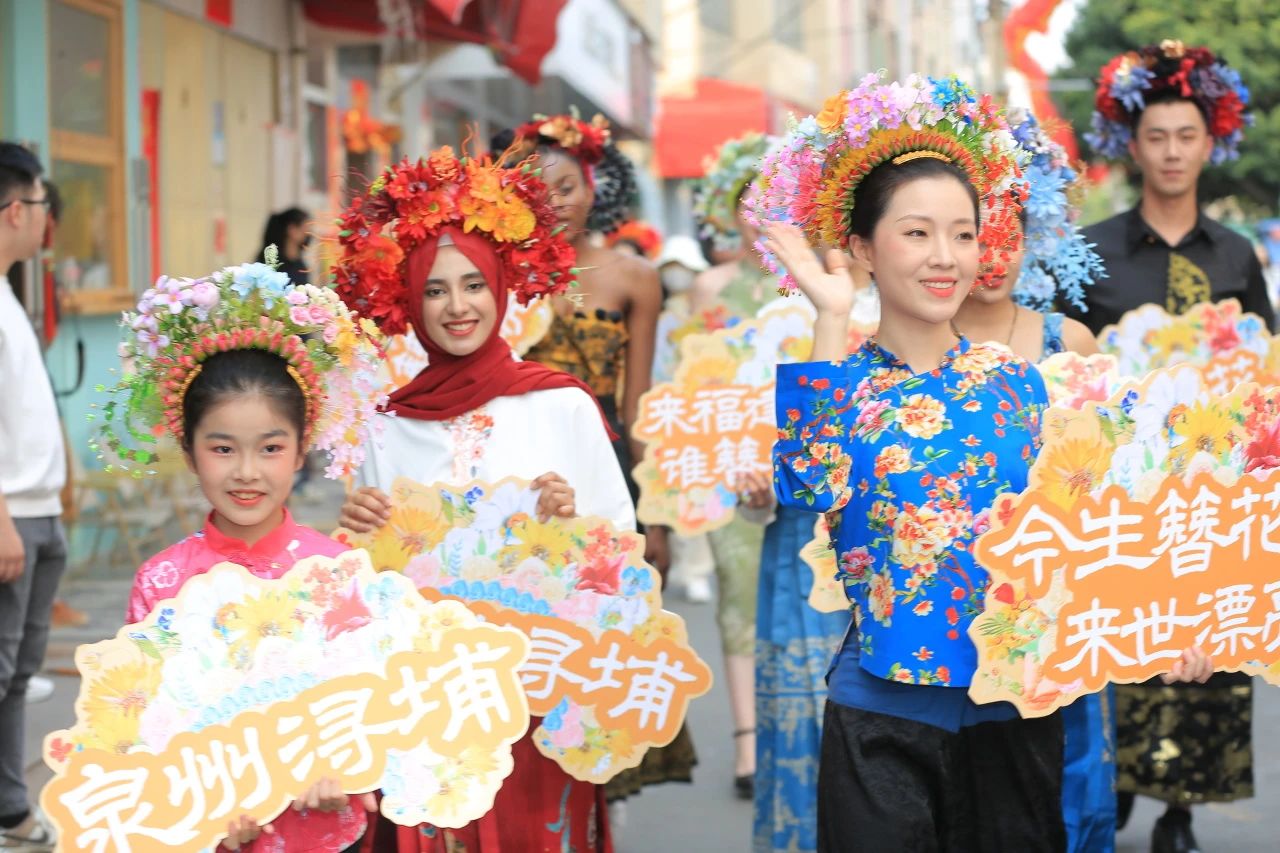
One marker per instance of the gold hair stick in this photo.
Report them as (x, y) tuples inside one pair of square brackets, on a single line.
[(916, 155)]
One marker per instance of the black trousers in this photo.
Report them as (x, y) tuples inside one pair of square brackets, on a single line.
[(889, 784)]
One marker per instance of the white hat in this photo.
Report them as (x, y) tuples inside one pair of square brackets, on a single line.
[(682, 249)]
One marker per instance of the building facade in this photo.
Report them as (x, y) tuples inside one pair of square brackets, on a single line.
[(173, 128)]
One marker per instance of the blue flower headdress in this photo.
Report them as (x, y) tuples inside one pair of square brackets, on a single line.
[(1058, 263), (1125, 83), (734, 165)]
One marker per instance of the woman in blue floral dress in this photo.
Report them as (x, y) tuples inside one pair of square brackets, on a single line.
[(905, 445)]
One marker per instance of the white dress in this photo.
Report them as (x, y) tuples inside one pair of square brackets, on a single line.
[(557, 430)]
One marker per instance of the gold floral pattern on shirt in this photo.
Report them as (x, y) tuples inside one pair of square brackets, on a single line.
[(1188, 285)]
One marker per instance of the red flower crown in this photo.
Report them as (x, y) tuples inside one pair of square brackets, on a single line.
[(411, 202), (584, 140)]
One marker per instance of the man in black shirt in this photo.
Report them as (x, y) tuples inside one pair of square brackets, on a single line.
[(1174, 109), (1205, 262)]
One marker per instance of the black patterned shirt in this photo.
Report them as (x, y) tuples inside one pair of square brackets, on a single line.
[(1210, 263)]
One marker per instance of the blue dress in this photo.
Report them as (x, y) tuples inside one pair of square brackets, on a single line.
[(1089, 758), (794, 645)]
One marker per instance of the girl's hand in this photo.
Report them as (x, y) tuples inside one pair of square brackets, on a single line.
[(1194, 665), (243, 831), (830, 290), (755, 490), (324, 796), (555, 497), (365, 510)]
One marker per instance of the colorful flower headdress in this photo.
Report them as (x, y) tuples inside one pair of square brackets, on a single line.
[(584, 140), (644, 235), (180, 323), (1128, 80), (728, 172), (610, 173), (409, 204), (812, 178), (1059, 262)]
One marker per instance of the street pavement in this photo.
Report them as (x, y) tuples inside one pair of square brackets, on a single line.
[(704, 816)]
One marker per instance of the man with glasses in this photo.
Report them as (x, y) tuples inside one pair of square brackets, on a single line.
[(33, 551)]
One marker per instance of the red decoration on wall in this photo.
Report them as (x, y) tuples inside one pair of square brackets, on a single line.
[(1033, 17), (220, 12), (362, 131), (151, 153)]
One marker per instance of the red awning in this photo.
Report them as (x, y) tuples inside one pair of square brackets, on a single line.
[(688, 130), (519, 32)]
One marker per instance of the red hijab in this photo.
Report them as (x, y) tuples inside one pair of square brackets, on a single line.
[(452, 385)]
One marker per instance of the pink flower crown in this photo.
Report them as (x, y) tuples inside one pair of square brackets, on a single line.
[(180, 323), (811, 179)]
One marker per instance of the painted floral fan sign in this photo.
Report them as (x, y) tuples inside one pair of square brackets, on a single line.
[(1149, 525), (236, 696), (1230, 345), (827, 594), (523, 327), (610, 672), (714, 421)]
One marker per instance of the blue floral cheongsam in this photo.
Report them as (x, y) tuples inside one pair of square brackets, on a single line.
[(907, 467)]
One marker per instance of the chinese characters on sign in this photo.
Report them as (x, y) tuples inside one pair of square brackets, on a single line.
[(1151, 524), (707, 437), (447, 695), (645, 690), (1199, 567), (713, 421), (610, 672)]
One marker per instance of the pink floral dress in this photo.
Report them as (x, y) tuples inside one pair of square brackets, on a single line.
[(161, 578)]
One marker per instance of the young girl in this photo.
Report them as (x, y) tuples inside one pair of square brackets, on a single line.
[(220, 363), (475, 413), (1053, 259), (905, 444)]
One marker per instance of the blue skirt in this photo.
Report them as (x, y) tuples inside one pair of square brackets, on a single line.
[(794, 648), (1089, 773)]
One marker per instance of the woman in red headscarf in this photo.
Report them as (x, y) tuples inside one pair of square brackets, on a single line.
[(438, 247)]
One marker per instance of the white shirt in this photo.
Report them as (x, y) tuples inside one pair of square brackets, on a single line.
[(558, 430), (33, 468)]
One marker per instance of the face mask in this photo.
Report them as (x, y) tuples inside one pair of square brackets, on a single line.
[(677, 278)]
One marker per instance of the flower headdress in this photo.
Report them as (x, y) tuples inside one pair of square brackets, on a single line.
[(610, 173), (728, 172), (180, 323), (409, 204), (584, 140), (811, 179), (1058, 261), (644, 235), (1190, 72)]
